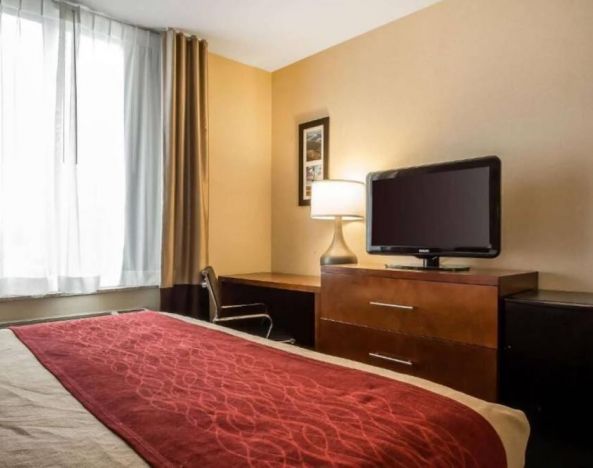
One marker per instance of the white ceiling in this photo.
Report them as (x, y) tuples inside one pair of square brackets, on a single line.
[(268, 34)]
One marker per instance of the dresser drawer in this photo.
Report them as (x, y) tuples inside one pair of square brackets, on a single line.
[(464, 313), (470, 369)]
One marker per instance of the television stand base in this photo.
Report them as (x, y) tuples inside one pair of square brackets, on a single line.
[(429, 262), (430, 268)]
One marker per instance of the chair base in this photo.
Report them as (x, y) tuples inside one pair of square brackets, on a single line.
[(281, 336), (256, 329)]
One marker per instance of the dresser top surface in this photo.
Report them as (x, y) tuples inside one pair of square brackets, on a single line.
[(489, 277)]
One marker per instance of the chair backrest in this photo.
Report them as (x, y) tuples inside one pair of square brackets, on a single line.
[(213, 287)]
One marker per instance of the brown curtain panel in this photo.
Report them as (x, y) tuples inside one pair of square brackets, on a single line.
[(185, 211)]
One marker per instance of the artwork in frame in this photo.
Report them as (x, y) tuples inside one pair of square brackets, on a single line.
[(313, 156)]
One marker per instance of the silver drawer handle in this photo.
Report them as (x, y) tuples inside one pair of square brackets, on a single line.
[(391, 359), (393, 306)]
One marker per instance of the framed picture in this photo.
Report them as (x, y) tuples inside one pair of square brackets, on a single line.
[(313, 156)]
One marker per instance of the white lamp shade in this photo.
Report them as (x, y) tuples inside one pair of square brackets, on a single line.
[(333, 198)]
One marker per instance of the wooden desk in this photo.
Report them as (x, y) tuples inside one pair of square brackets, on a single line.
[(286, 281), (293, 300)]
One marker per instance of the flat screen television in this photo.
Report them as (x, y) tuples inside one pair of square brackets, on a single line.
[(440, 210)]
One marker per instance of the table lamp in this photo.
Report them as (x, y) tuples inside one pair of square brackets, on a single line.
[(338, 200)]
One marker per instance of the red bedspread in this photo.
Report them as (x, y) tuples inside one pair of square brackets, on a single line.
[(184, 395)]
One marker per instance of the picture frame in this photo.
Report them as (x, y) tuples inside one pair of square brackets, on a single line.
[(313, 156)]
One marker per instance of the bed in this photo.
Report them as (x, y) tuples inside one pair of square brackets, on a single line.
[(150, 388)]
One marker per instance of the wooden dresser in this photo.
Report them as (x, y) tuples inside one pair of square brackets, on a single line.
[(440, 326)]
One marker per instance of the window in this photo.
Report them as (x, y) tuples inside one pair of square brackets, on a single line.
[(80, 152)]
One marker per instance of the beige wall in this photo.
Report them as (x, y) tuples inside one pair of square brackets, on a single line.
[(459, 79), (240, 166)]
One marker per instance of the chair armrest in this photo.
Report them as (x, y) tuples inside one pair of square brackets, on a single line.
[(248, 317), (256, 307)]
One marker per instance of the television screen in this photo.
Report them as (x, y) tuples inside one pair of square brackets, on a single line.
[(451, 208)]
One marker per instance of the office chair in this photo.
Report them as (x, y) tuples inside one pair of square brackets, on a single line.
[(250, 318)]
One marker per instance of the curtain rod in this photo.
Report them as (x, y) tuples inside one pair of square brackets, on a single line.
[(106, 16), (111, 18)]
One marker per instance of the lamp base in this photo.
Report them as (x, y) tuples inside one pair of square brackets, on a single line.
[(338, 252), (337, 260)]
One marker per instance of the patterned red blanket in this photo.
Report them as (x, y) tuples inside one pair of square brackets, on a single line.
[(185, 395)]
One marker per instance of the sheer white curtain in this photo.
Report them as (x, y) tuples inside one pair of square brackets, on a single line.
[(80, 151)]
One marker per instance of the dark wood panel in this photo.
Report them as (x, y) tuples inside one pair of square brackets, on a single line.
[(547, 364), (547, 372), (470, 369), (458, 312), (317, 317), (293, 311)]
